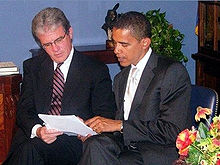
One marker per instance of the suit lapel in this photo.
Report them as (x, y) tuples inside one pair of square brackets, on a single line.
[(121, 92), (72, 82), (45, 82), (144, 83), (122, 86)]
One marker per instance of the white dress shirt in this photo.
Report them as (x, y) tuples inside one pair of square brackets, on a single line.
[(64, 69), (128, 98)]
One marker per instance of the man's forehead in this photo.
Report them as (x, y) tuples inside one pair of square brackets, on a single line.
[(48, 29)]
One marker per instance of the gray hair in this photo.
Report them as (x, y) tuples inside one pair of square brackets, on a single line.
[(136, 22), (49, 19)]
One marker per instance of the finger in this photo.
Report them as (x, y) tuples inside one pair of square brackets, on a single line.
[(83, 139), (89, 121), (96, 123), (93, 125), (80, 137), (80, 119), (47, 138), (50, 140), (86, 137), (98, 130), (52, 135), (52, 131)]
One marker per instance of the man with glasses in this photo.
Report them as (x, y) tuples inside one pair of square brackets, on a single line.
[(60, 82)]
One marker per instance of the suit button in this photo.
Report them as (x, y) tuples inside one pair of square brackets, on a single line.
[(132, 146)]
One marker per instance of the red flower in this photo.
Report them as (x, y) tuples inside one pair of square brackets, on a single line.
[(184, 152), (216, 142), (184, 139), (202, 112)]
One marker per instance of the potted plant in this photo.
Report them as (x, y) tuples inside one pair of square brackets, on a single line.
[(165, 39)]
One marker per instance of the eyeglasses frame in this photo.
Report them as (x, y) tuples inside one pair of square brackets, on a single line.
[(55, 42)]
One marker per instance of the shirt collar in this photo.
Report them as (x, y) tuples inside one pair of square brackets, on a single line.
[(142, 63), (67, 62)]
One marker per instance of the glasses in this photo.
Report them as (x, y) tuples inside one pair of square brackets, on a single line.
[(56, 42)]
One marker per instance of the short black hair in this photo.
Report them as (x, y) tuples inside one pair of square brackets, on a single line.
[(136, 22)]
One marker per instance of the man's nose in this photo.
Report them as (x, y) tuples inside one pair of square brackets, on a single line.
[(117, 48), (54, 47)]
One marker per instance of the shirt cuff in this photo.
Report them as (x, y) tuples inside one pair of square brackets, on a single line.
[(34, 130)]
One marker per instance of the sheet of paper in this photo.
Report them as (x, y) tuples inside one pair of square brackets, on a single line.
[(69, 124)]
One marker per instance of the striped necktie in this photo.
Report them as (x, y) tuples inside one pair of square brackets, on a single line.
[(57, 93)]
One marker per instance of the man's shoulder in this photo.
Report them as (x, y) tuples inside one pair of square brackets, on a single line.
[(165, 62), (167, 65), (164, 59), (88, 61), (37, 61)]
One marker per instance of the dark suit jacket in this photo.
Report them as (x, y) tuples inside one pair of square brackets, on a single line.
[(160, 109), (87, 92)]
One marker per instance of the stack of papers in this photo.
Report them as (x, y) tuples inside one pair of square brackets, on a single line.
[(68, 124), (8, 68)]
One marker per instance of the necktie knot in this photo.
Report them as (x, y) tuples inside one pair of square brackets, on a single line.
[(134, 72), (59, 64)]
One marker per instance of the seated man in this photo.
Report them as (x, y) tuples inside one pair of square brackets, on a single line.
[(60, 82), (152, 96)]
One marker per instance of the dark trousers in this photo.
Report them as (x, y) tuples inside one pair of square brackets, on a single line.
[(66, 150), (108, 149)]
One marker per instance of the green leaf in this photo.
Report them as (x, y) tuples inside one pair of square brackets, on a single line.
[(194, 156), (203, 130), (166, 40)]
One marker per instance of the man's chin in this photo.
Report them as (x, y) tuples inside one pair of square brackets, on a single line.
[(59, 59), (124, 64)]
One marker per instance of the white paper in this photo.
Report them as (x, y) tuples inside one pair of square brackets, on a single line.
[(69, 124)]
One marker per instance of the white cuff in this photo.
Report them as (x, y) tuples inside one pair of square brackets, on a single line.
[(34, 130)]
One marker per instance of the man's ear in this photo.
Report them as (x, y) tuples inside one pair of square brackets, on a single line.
[(71, 33), (146, 43)]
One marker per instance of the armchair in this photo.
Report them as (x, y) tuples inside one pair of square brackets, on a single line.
[(204, 97)]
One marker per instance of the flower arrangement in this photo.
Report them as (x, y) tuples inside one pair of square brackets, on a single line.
[(200, 146)]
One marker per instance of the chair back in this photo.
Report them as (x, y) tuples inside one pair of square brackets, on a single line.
[(204, 97)]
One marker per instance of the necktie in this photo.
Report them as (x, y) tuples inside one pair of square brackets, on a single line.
[(57, 93), (130, 92)]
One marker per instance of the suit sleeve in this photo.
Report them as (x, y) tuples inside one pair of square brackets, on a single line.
[(26, 112), (172, 115), (103, 103)]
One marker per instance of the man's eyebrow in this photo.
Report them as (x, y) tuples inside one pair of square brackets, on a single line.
[(124, 43), (121, 42), (54, 40)]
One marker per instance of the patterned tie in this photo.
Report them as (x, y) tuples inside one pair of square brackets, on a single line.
[(57, 94)]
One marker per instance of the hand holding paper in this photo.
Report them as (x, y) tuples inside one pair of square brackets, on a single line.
[(69, 124)]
